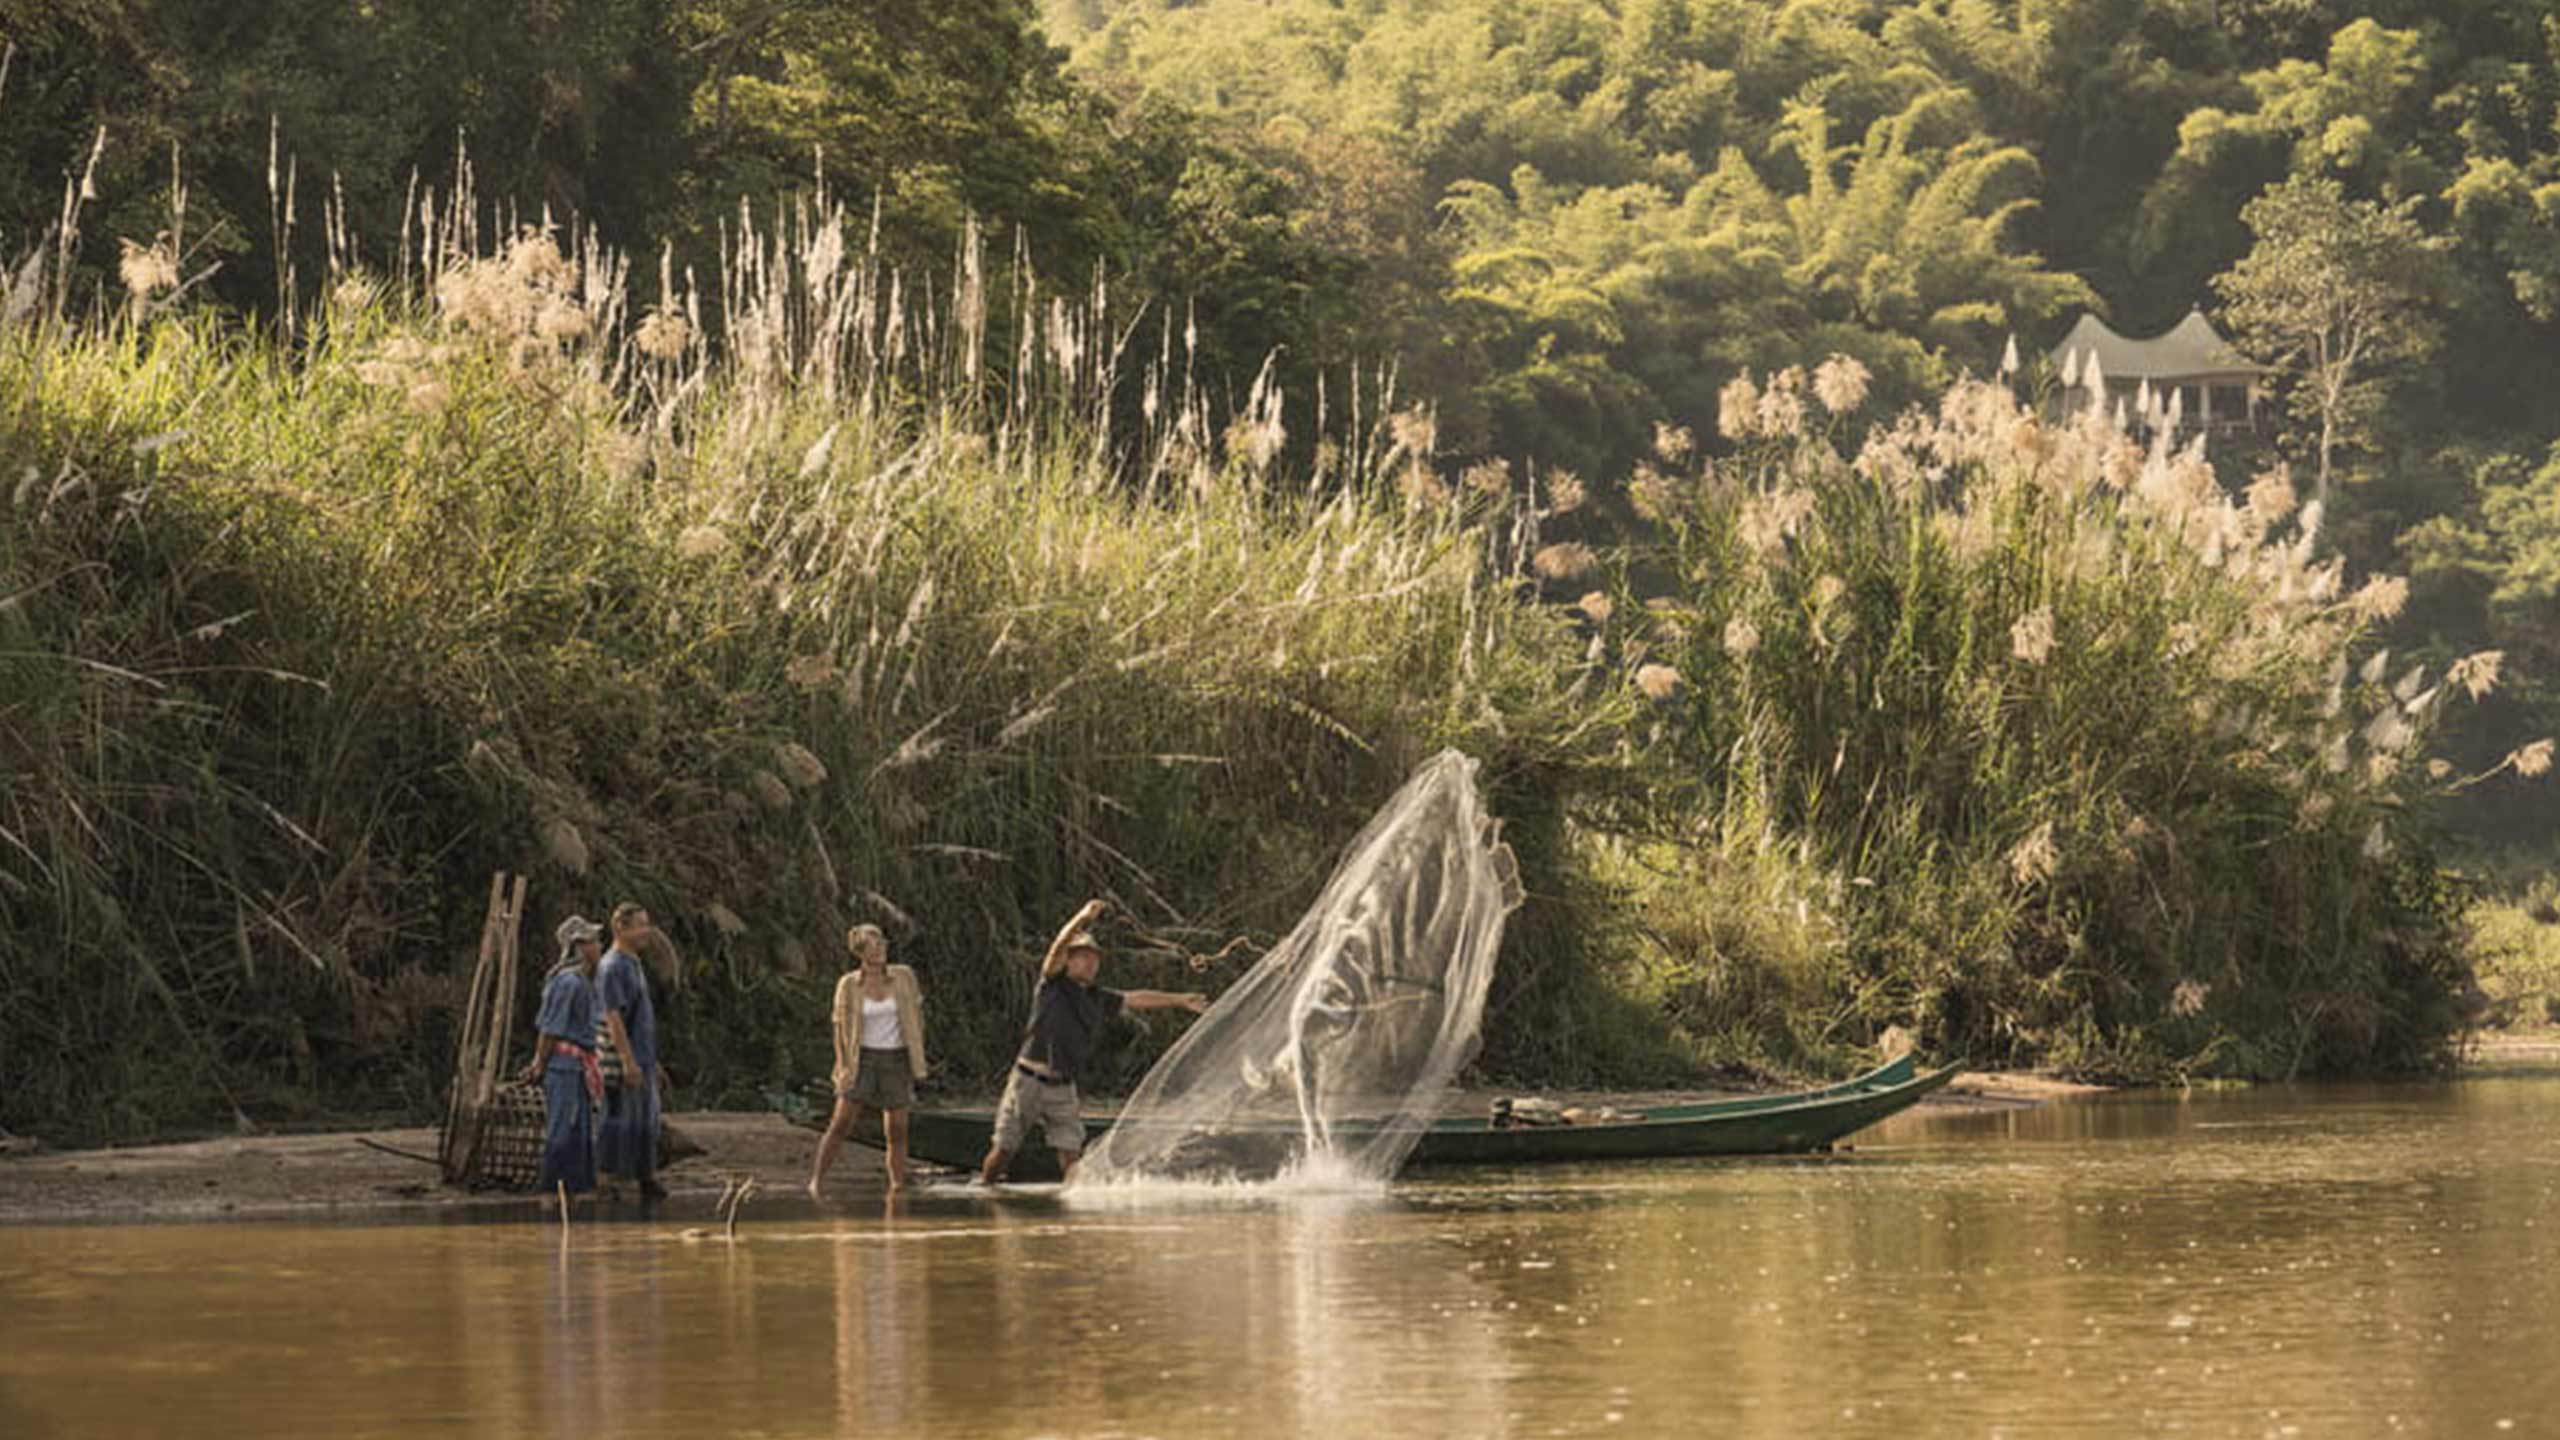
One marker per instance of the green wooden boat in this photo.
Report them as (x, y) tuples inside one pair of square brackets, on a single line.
[(1794, 1122)]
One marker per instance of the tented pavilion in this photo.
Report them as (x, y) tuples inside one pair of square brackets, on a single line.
[(2190, 372)]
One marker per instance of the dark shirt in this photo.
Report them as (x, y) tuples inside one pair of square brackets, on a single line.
[(1065, 1019), (622, 984), (568, 1013)]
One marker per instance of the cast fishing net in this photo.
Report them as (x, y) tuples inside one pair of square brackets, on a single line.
[(1339, 1046)]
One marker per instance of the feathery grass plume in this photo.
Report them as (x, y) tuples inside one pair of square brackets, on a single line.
[(2187, 997), (1782, 404), (724, 920), (2315, 807), (2377, 842), (2381, 597), (1827, 590), (664, 335), (566, 847), (1564, 560), (1650, 494), (2477, 673), (768, 788), (1415, 431), (1840, 383), (1423, 488), (1658, 682), (2534, 760), (1741, 637), (2034, 859), (1672, 443), (799, 764), (2031, 638), (1488, 477), (147, 270), (1738, 408), (2389, 731), (701, 542), (2271, 498), (1596, 606)]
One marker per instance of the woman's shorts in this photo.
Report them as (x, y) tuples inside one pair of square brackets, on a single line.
[(884, 1080)]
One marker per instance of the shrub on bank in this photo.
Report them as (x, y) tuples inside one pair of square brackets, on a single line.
[(2065, 754)]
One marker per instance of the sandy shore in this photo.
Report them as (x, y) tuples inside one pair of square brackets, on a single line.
[(337, 1174)]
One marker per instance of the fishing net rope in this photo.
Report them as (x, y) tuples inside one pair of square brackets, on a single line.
[(1340, 1044)]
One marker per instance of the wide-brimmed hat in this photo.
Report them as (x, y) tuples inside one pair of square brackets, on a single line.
[(1081, 940), (575, 929)]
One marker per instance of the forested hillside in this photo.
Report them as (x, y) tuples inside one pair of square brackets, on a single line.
[(1633, 202)]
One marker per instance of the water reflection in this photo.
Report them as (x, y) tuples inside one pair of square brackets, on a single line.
[(884, 1318), (2360, 1261)]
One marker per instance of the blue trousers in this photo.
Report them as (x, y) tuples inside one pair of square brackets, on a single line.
[(568, 1149), (627, 1144)]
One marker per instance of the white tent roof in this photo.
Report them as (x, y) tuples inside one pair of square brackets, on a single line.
[(2191, 349)]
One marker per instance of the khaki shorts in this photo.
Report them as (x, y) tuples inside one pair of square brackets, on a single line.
[(1056, 1109)]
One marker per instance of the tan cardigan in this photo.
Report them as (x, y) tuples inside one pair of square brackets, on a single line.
[(848, 1022)]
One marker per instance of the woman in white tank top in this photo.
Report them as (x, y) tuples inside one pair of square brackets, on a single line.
[(879, 1038)]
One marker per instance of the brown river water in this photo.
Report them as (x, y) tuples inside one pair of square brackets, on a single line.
[(2315, 1261)]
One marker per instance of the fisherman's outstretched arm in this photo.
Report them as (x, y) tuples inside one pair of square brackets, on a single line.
[(1191, 1000)]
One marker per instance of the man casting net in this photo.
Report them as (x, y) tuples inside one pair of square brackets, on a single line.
[(1340, 1044)]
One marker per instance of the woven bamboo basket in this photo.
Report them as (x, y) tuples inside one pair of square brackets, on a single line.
[(507, 1154)]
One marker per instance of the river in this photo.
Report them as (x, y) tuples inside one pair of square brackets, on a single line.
[(2365, 1260)]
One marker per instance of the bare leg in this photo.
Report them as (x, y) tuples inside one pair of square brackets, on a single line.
[(893, 1124), (993, 1170), (839, 1126)]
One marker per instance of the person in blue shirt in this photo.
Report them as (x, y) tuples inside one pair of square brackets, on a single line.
[(627, 1146), (564, 1059)]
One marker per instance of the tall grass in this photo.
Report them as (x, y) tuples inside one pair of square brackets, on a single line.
[(2036, 739), (810, 597), (810, 592)]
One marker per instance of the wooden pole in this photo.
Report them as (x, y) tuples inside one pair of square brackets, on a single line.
[(454, 1148), (510, 938)]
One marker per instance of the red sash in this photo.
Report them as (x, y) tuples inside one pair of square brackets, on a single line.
[(586, 1059)]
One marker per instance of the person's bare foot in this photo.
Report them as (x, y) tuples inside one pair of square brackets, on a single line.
[(816, 1191), (897, 1179)]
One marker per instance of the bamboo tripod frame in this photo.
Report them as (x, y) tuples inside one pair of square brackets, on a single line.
[(488, 1018)]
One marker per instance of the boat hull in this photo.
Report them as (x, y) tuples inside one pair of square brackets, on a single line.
[(1795, 1122)]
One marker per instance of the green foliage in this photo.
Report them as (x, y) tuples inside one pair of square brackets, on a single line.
[(2335, 293), (299, 644), (2044, 744)]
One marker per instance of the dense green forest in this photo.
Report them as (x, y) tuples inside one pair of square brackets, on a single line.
[(927, 462)]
